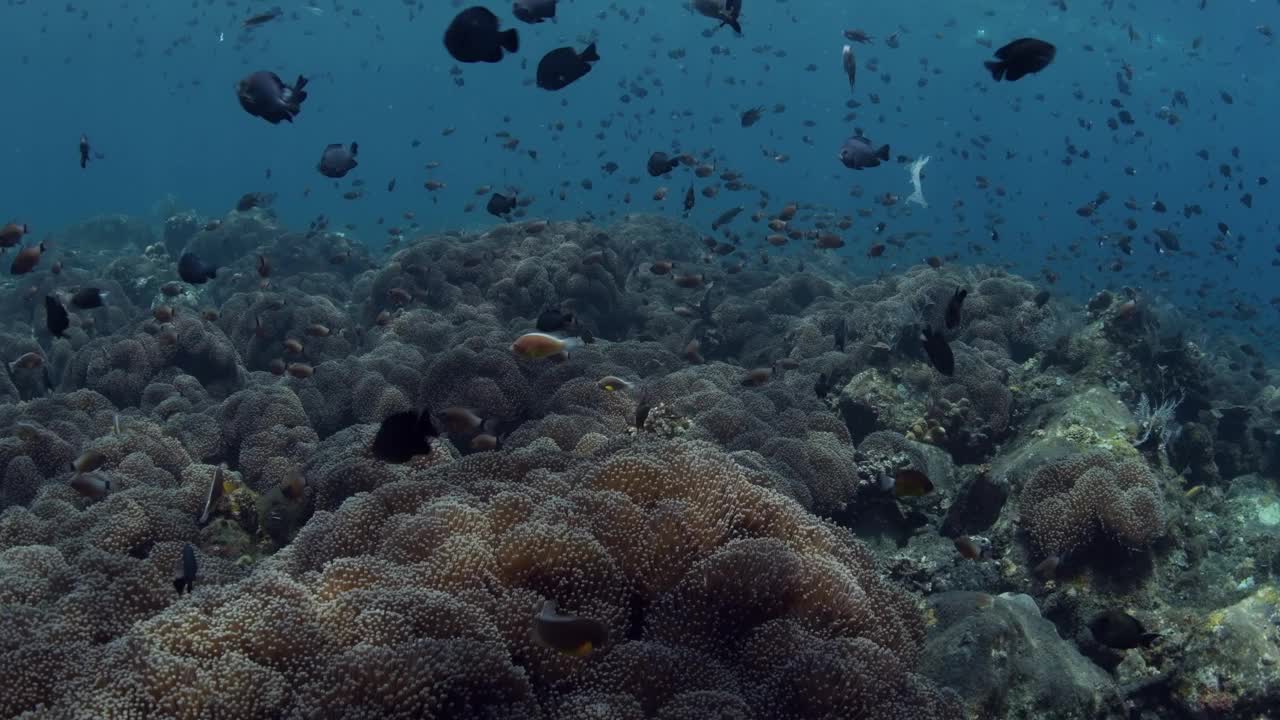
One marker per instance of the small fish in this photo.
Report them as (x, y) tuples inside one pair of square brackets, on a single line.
[(300, 370), (850, 63), (613, 383), (12, 234), (1019, 58), (1047, 569), (263, 18), (264, 267), (55, 316), (967, 548), (563, 66), (187, 570), (939, 352), (94, 486), (538, 346), (953, 308), (911, 483), (484, 442), (660, 164), (336, 160), (461, 421), (294, 485), (27, 361), (89, 461), (553, 319), (212, 496), (403, 435), (857, 153), (192, 270), (570, 634), (473, 36), (84, 151), (88, 298), (263, 94), (26, 259), (500, 205), (1118, 629)]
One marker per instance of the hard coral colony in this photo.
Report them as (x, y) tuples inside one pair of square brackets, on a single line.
[(795, 454)]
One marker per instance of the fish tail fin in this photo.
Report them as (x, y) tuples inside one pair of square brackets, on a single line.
[(731, 22), (510, 40), (301, 83), (590, 54), (883, 152), (996, 68)]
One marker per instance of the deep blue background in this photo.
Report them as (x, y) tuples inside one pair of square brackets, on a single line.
[(153, 87)]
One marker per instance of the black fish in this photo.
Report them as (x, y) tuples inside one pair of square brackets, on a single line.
[(473, 36), (192, 270), (953, 308), (553, 320), (841, 333), (534, 11), (1118, 629), (88, 298), (187, 569), (689, 200), (858, 153), (336, 161), (55, 316), (264, 95), (263, 18), (404, 435), (84, 151), (501, 206), (939, 352), (661, 164), (562, 66), (1021, 57)]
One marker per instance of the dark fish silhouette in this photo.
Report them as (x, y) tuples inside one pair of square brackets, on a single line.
[(55, 316), (1120, 630), (553, 319), (336, 161), (1019, 58), (534, 11), (563, 66), (501, 206), (263, 94), (857, 153), (473, 36), (192, 270), (88, 298), (84, 151), (404, 435), (661, 164), (939, 352), (187, 570), (953, 308)]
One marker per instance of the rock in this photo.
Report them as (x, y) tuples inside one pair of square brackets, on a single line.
[(1233, 660), (871, 401), (1006, 661)]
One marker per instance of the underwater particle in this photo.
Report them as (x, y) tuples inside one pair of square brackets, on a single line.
[(94, 486), (570, 634), (263, 94), (473, 36), (908, 482), (26, 259), (55, 316), (1019, 58), (193, 270), (917, 188), (187, 570), (212, 496), (857, 153), (88, 298), (336, 160), (403, 435), (534, 11), (538, 346), (563, 66), (954, 308), (939, 352)]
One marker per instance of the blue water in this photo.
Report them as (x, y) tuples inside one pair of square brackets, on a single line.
[(152, 86)]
